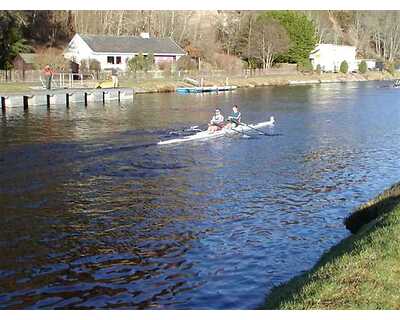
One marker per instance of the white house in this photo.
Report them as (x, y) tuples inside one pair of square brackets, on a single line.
[(115, 51), (330, 56)]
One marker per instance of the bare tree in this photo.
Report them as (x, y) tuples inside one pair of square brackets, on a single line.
[(268, 38)]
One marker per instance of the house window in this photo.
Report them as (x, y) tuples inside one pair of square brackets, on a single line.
[(110, 59), (119, 60)]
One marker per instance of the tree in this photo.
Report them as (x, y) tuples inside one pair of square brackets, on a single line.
[(47, 27), (268, 39), (149, 61), (186, 63), (229, 63), (301, 32), (344, 67), (53, 57), (363, 67), (11, 41), (90, 65), (136, 63), (141, 62)]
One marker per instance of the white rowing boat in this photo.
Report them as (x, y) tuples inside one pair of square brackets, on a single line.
[(204, 135)]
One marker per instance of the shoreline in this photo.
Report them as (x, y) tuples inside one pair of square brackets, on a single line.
[(162, 86), (360, 272), (167, 86)]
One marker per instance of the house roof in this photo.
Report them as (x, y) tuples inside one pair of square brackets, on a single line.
[(28, 57), (129, 44)]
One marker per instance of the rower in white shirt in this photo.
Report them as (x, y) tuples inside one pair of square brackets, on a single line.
[(217, 122)]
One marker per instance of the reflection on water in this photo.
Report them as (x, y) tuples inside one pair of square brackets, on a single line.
[(95, 215)]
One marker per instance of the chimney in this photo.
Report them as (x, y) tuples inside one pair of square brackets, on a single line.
[(145, 35)]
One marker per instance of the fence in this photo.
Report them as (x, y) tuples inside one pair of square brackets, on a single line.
[(71, 80), (19, 75), (197, 75)]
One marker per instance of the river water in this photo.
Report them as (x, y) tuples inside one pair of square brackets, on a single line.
[(95, 215)]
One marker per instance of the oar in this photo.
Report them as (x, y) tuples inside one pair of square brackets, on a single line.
[(258, 130), (241, 132), (185, 131)]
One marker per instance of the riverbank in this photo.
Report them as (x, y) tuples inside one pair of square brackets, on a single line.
[(153, 86), (163, 85), (361, 272)]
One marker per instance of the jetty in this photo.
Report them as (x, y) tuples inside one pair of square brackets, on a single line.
[(185, 90), (64, 97)]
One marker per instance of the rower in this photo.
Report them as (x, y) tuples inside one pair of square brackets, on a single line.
[(235, 118), (217, 122)]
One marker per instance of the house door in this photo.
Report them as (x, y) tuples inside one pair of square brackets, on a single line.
[(74, 67)]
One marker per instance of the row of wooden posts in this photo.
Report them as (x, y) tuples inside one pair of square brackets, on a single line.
[(26, 99)]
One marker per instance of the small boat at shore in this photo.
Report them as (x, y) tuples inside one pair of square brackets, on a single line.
[(185, 90), (205, 135)]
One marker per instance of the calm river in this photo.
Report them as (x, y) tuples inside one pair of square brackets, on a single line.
[(95, 215)]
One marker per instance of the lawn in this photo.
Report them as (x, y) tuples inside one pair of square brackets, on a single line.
[(16, 87), (361, 272)]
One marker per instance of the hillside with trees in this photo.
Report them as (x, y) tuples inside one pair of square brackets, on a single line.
[(217, 39)]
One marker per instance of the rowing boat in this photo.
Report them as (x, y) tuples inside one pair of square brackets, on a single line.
[(204, 135)]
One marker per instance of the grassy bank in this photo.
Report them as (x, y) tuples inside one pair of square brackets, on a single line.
[(16, 87), (163, 85), (361, 272)]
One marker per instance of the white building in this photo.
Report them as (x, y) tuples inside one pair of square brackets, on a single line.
[(114, 51), (330, 56)]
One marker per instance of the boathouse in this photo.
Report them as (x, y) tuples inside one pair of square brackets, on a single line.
[(25, 61), (115, 51), (330, 56)]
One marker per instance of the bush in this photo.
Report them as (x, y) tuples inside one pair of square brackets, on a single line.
[(389, 67), (304, 66), (362, 67), (88, 65), (228, 63), (344, 67), (141, 62), (166, 67), (186, 63)]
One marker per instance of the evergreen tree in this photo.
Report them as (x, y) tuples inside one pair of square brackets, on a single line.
[(11, 41), (344, 67), (363, 67), (301, 33)]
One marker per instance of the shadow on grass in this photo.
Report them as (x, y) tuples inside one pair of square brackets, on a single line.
[(366, 216), (382, 204)]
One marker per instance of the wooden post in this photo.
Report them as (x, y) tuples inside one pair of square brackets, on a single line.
[(67, 100), (48, 101), (25, 102), (119, 96), (85, 99), (3, 103), (104, 97)]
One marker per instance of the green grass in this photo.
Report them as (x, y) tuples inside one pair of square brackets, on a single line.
[(361, 272), (164, 85), (15, 87)]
